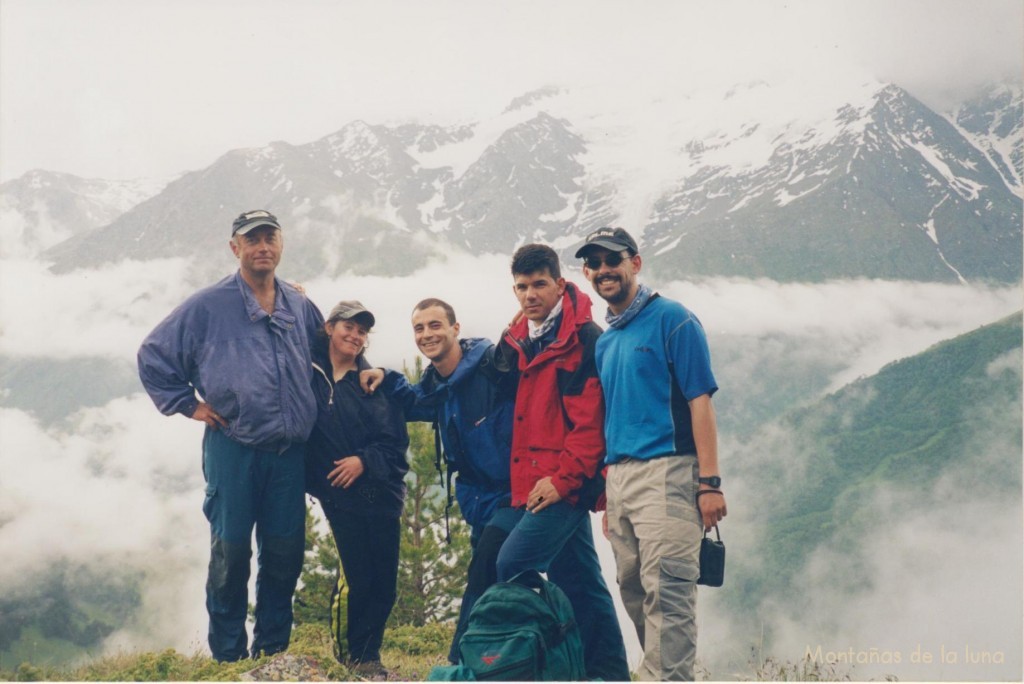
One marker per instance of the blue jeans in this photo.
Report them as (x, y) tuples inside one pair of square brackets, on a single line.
[(486, 541), (248, 488), (559, 542)]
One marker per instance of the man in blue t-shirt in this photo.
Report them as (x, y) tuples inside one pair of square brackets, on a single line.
[(663, 478)]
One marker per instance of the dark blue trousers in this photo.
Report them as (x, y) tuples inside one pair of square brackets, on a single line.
[(558, 541), (247, 488)]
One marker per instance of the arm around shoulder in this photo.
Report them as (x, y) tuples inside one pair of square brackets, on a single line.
[(314, 319), (404, 396)]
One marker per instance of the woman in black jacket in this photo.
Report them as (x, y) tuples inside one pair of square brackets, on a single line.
[(355, 467)]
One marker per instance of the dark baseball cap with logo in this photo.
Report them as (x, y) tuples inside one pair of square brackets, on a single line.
[(614, 239), (253, 219)]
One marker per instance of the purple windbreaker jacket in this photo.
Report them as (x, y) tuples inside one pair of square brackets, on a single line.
[(252, 367)]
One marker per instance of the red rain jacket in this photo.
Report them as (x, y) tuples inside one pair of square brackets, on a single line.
[(559, 413)]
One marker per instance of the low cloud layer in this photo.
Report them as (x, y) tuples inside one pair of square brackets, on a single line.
[(864, 323), (85, 313), (867, 323), (944, 580), (925, 584), (120, 491)]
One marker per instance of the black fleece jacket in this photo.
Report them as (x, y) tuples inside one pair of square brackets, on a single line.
[(352, 423)]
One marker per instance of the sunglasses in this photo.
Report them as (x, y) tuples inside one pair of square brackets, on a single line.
[(613, 259)]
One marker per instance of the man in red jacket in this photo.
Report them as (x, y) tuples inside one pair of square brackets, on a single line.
[(557, 449)]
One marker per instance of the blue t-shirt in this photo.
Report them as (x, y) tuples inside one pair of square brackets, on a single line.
[(646, 408)]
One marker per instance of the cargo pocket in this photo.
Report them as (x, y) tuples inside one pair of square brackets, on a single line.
[(677, 590), (678, 603), (679, 570), (209, 501)]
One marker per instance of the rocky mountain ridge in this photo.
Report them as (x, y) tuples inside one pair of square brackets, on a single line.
[(43, 208), (864, 181)]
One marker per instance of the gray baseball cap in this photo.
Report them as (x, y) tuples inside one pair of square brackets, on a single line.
[(348, 309), (253, 219)]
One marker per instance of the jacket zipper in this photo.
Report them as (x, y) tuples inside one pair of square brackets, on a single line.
[(330, 385)]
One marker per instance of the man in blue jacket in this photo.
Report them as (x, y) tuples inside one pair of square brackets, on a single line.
[(472, 404), (662, 451), (243, 345)]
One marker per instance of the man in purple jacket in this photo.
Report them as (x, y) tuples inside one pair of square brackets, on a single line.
[(243, 346)]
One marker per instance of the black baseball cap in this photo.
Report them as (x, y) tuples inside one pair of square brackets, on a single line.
[(253, 219), (615, 239)]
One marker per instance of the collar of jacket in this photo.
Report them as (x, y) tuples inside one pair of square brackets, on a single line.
[(319, 370), (322, 361), (473, 350), (282, 315), (576, 312)]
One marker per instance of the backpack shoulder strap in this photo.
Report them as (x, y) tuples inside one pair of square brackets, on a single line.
[(445, 485)]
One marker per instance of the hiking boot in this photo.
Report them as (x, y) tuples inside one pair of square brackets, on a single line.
[(371, 670)]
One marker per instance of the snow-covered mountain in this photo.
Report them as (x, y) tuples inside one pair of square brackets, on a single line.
[(785, 181), (881, 187), (43, 208), (993, 121)]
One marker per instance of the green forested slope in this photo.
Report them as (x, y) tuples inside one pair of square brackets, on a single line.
[(953, 411)]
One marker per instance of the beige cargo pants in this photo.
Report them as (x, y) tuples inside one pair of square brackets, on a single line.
[(655, 532)]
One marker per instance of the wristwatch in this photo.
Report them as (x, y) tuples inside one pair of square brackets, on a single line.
[(715, 481)]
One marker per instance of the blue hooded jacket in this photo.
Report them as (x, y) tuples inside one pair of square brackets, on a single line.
[(474, 408), (252, 367)]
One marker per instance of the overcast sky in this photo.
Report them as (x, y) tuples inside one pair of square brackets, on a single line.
[(150, 88)]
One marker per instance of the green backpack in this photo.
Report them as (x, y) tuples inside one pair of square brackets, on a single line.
[(522, 630)]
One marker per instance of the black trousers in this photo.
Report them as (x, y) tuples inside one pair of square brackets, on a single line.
[(368, 547)]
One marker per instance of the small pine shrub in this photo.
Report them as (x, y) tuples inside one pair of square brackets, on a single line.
[(27, 672)]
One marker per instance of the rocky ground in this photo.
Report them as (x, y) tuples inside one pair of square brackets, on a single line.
[(292, 668)]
